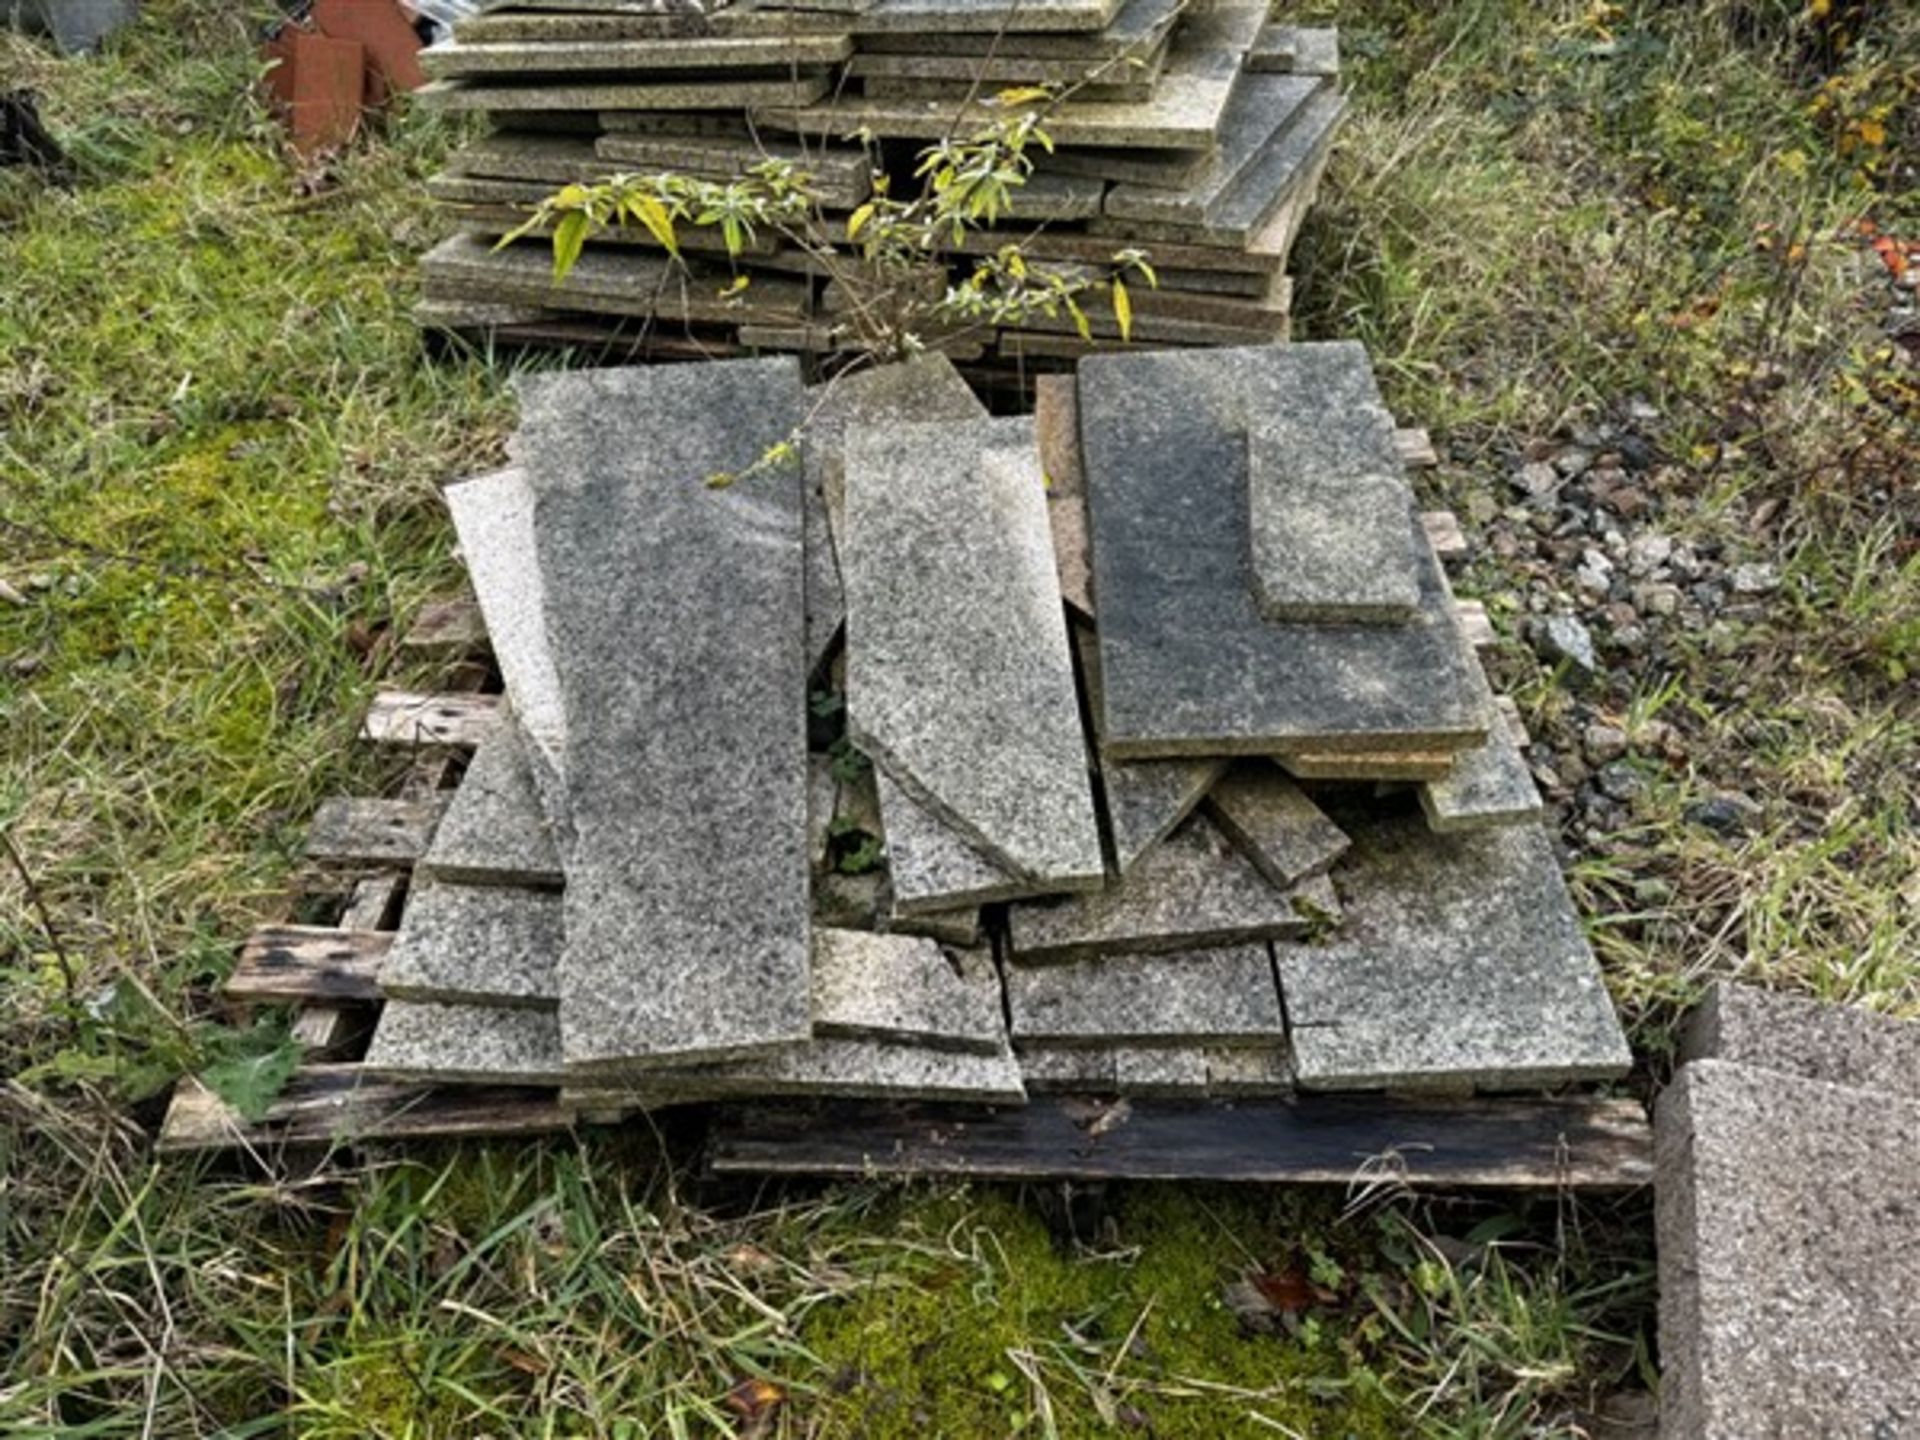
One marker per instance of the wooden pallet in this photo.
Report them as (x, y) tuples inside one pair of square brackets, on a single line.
[(364, 849)]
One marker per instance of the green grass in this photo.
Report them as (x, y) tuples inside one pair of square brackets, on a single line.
[(219, 444)]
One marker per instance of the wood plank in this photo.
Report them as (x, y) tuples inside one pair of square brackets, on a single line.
[(1416, 449), (357, 830), (1449, 541), (399, 717), (342, 1104), (1324, 1139), (451, 627), (284, 963), (1475, 625)]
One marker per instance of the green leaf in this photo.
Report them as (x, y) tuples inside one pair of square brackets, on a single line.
[(652, 214), (569, 239), (1123, 308), (859, 217), (1024, 95), (251, 1083), (1079, 318)]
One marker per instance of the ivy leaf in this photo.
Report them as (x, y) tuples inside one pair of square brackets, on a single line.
[(251, 1083)]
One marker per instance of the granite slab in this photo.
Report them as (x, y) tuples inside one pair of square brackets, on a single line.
[(1172, 167), (875, 397), (476, 945), (905, 990), (959, 675), (1247, 1070), (1193, 891), (1136, 27), (1203, 64), (519, 60), (612, 282), (1489, 784), (1160, 1072), (1218, 996), (1395, 765), (675, 613), (493, 518), (1330, 514), (495, 830), (466, 1044), (552, 160), (642, 22), (960, 928), (688, 94), (1013, 66), (1258, 115), (1789, 1253), (1795, 1035), (1190, 665), (830, 1068), (1053, 1069), (840, 177), (917, 17), (1460, 960), (932, 866), (1275, 823), (880, 88), (1296, 50)]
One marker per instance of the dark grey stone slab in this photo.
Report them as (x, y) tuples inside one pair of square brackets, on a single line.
[(1460, 961), (1275, 824), (959, 676), (845, 1069), (880, 396), (476, 945), (1190, 665), (1202, 67), (775, 89), (1794, 1035), (1262, 108), (1789, 1243), (466, 1044), (905, 990), (1214, 996), (989, 16), (493, 517), (675, 613), (610, 282), (1330, 514), (519, 60), (552, 160), (495, 830), (1136, 28), (1193, 891)]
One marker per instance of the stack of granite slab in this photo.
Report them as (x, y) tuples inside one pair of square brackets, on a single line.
[(844, 777), (1194, 133)]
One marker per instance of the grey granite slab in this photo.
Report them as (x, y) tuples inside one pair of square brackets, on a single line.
[(553, 160), (1172, 167), (1189, 664), (1215, 996), (959, 927), (1275, 823), (1012, 66), (495, 830), (493, 517), (1248, 1070), (906, 990), (519, 60), (933, 867), (1795, 1035), (642, 22), (675, 612), (1282, 173), (1789, 1244), (1052, 1069), (466, 1044), (959, 676), (990, 16), (1261, 110), (1136, 28), (1202, 66), (1296, 50), (691, 94), (875, 397), (1489, 784), (1145, 799), (1254, 325), (476, 945), (1193, 891), (1460, 960), (888, 88), (839, 176), (829, 1068), (612, 282), (1160, 1073), (1330, 514)]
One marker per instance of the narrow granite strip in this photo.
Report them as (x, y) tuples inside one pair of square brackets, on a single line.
[(777, 88), (495, 830), (466, 1044), (1248, 1070), (905, 990), (1223, 996), (957, 643), (1160, 1073), (477, 945), (1275, 824), (675, 612), (1193, 891), (1460, 961), (844, 1069), (515, 60)]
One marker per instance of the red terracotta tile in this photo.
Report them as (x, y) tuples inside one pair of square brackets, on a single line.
[(392, 46)]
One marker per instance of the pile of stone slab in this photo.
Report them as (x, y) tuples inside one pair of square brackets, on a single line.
[(1787, 1170), (843, 777), (1196, 133)]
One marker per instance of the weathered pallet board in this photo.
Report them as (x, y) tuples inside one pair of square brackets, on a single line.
[(283, 964), (1321, 1139), (399, 717), (1416, 449)]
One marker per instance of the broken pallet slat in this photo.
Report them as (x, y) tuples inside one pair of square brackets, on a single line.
[(1475, 625), (451, 627), (358, 830), (398, 717), (1449, 541), (1317, 1139), (343, 1104), (282, 963), (1416, 449), (330, 1031)]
